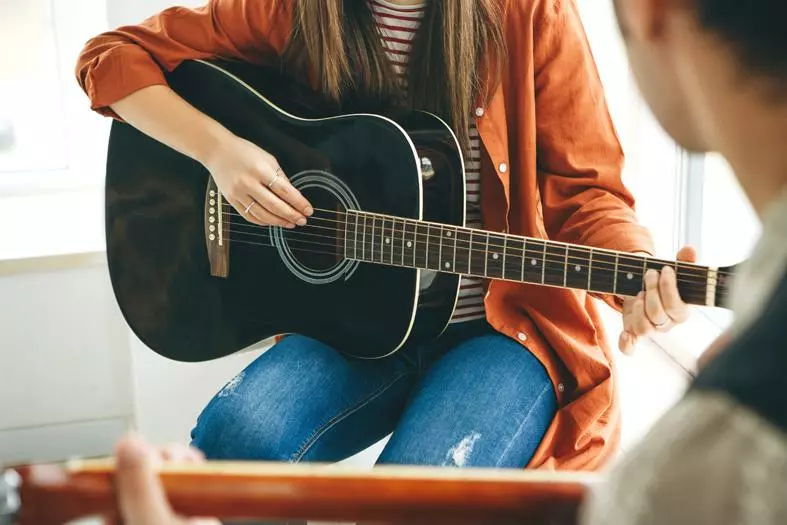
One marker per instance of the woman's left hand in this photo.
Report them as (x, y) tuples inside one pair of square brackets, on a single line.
[(657, 308)]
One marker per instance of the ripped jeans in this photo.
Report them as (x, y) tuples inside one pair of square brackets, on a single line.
[(472, 398)]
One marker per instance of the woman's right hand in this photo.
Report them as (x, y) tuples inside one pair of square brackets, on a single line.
[(252, 181)]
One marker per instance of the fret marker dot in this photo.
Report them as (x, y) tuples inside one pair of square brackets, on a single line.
[(534, 262), (387, 240), (447, 234), (578, 268), (213, 210), (495, 256), (212, 219), (213, 202), (212, 193), (212, 228), (409, 244), (447, 264), (629, 276)]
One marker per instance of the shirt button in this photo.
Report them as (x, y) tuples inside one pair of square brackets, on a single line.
[(522, 337), (560, 387), (479, 112), (503, 168)]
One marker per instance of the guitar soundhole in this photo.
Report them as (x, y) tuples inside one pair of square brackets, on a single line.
[(320, 244), (315, 252)]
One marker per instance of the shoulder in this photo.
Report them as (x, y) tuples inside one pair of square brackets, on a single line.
[(752, 368), (708, 460)]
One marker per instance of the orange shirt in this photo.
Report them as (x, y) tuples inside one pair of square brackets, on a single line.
[(551, 168)]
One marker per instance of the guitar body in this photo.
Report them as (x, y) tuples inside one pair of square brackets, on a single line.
[(189, 299)]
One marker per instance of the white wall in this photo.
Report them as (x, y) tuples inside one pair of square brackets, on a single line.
[(65, 386)]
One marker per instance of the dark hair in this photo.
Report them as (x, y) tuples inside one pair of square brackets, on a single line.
[(457, 54), (755, 29)]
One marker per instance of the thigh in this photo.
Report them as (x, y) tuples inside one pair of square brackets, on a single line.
[(486, 403), (303, 401)]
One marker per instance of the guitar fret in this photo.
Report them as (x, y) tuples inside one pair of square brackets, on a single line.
[(404, 235), (476, 253), (555, 266), (544, 263), (626, 282), (384, 240), (533, 253), (578, 267), (440, 249), (355, 248), (513, 265), (615, 277), (410, 242), (374, 231), (505, 250), (602, 272), (426, 262), (486, 256), (363, 246), (495, 248), (346, 235), (565, 268), (524, 258), (393, 238), (590, 268), (455, 232), (464, 239)]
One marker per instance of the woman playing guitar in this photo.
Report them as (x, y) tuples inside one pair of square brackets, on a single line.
[(523, 376)]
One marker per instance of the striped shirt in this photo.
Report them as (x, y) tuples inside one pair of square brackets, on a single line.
[(397, 26)]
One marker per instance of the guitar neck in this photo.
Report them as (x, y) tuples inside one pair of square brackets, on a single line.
[(409, 243)]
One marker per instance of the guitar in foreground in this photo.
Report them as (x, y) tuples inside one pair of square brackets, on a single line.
[(377, 266), (57, 494)]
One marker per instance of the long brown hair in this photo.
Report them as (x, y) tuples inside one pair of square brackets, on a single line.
[(458, 53)]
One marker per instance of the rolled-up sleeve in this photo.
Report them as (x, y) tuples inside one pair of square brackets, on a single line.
[(117, 63), (579, 158)]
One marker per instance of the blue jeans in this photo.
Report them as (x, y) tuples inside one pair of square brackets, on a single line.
[(472, 398)]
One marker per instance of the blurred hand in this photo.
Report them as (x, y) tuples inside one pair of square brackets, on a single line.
[(255, 185), (141, 497), (657, 308)]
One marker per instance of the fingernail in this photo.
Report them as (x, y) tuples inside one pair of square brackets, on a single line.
[(301, 222), (308, 211), (290, 226)]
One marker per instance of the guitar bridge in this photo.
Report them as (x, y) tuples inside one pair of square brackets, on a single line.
[(217, 229)]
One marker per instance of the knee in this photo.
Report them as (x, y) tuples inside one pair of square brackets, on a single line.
[(251, 416), (497, 360)]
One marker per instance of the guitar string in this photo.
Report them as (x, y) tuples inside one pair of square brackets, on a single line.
[(698, 279), (687, 293), (690, 292), (685, 269), (688, 268), (688, 284)]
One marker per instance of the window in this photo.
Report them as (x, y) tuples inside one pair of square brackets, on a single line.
[(652, 170), (48, 139)]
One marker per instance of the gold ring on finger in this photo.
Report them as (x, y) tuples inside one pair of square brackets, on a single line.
[(275, 178)]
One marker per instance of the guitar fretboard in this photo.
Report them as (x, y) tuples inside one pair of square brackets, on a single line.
[(411, 243)]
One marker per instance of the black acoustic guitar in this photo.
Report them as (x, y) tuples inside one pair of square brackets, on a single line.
[(377, 266)]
